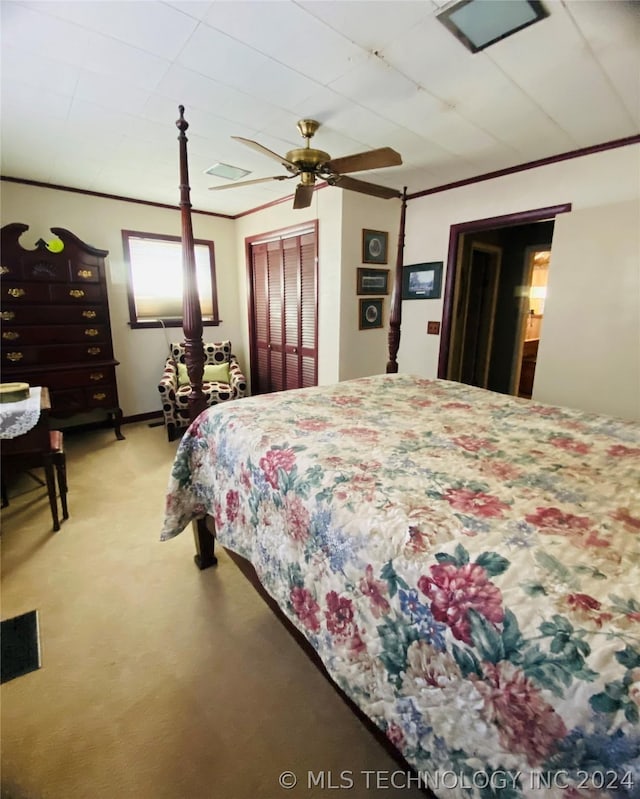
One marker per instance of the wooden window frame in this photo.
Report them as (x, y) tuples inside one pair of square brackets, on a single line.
[(171, 321)]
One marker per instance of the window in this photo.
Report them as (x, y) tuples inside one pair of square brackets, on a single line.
[(155, 279)]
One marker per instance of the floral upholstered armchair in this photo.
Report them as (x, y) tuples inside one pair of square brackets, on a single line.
[(223, 380)]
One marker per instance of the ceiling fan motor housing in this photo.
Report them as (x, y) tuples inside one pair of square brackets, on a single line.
[(306, 158)]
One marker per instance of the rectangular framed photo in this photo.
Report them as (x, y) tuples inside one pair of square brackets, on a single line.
[(374, 246), (422, 281), (371, 313), (372, 281)]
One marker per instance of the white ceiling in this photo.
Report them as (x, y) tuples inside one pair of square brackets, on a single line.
[(90, 90)]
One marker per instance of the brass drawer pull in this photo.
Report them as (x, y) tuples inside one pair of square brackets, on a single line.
[(89, 314), (85, 273), (4, 270), (16, 292), (96, 376), (93, 351), (7, 316), (76, 293), (10, 335), (91, 331), (99, 396), (15, 356)]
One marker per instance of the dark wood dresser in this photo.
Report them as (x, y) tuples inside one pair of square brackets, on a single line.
[(55, 323)]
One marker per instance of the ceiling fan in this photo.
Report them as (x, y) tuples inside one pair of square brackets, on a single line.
[(308, 164)]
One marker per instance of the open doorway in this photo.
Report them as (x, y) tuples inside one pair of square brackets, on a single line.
[(490, 336), (537, 261), (478, 282)]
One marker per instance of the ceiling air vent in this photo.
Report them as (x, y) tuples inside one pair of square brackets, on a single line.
[(227, 171), (479, 23)]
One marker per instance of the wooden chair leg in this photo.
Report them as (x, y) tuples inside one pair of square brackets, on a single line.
[(61, 472), (51, 490)]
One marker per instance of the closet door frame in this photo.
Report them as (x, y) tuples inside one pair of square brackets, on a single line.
[(294, 231)]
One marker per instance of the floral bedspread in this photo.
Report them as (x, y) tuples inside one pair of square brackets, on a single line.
[(466, 564)]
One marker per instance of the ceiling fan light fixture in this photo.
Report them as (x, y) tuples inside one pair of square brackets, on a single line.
[(479, 23), (227, 171)]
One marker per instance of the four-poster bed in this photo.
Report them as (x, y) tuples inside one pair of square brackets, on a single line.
[(463, 563)]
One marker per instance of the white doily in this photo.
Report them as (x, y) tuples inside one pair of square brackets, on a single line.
[(17, 418)]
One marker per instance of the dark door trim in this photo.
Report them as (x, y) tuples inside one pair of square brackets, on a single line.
[(455, 234)]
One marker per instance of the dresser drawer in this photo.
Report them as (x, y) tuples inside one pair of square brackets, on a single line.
[(69, 401), (42, 269), (17, 356), (53, 314), (78, 294), (101, 397), (62, 377), (10, 271), (60, 270), (53, 334), (84, 352), (24, 293), (85, 272), (30, 293), (72, 378)]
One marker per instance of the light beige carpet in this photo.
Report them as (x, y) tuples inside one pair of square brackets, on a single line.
[(158, 681)]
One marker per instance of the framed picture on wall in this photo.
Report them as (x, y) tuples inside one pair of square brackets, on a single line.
[(372, 281), (422, 281), (371, 313), (374, 246)]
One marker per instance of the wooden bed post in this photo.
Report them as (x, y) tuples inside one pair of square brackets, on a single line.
[(395, 319), (191, 313), (192, 326)]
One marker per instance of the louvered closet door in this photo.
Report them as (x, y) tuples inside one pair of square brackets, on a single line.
[(267, 317), (308, 312), (284, 313), (275, 321)]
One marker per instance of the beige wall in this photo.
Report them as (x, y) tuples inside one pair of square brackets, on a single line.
[(590, 348), (599, 238), (364, 352)]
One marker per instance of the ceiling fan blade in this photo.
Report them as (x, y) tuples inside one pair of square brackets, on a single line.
[(373, 159), (266, 151), (249, 182), (304, 195), (384, 192)]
